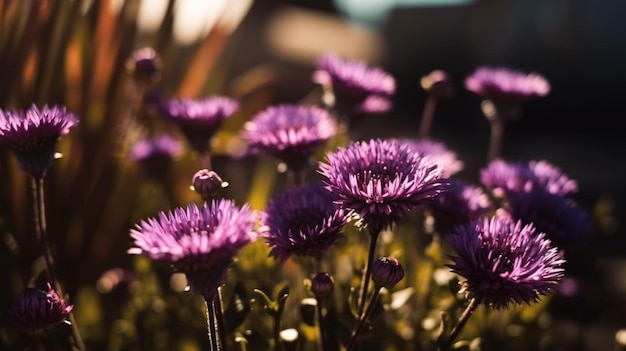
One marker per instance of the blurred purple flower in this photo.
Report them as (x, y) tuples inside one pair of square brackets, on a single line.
[(563, 222), (503, 86), (504, 261), (144, 64), (199, 119), (502, 176), (155, 154), (438, 83), (460, 204), (302, 221), (290, 133), (353, 80), (200, 242), (33, 134), (36, 310), (439, 152), (381, 180)]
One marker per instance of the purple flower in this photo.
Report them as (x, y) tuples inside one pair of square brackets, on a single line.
[(302, 221), (460, 204), (207, 184), (357, 88), (444, 157), (504, 261), (290, 133), (155, 154), (381, 180), (563, 222), (502, 177), (322, 285), (144, 64), (33, 135), (200, 242), (37, 310), (387, 272), (506, 87), (199, 119)]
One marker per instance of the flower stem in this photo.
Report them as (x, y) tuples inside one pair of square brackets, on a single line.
[(368, 271), (212, 332), (42, 235), (428, 115), (219, 317), (496, 138), (323, 340), (471, 307), (362, 319)]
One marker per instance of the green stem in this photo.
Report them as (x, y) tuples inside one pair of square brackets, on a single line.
[(212, 333), (368, 272), (42, 235), (471, 307), (428, 116), (362, 319), (323, 340)]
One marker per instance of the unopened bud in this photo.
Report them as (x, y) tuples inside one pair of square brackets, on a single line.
[(207, 184), (322, 285), (387, 272), (145, 65), (438, 83)]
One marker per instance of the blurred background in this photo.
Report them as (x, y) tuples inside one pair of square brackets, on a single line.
[(264, 52)]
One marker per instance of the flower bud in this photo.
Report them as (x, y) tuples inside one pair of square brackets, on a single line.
[(438, 83), (145, 65), (207, 184), (387, 272), (322, 285), (36, 310)]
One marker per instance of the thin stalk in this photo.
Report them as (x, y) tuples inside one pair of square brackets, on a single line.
[(323, 340), (362, 319), (42, 235), (428, 115), (471, 307), (212, 333), (276, 333), (219, 317), (368, 271), (496, 138)]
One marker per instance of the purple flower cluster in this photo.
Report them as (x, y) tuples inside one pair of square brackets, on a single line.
[(290, 133), (33, 134), (538, 192), (504, 261), (357, 88), (302, 221), (503, 86), (200, 242), (37, 310), (199, 119), (381, 180)]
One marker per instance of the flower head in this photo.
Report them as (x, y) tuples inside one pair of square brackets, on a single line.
[(438, 83), (290, 133), (155, 154), (144, 64), (460, 204), (387, 272), (444, 157), (504, 261), (37, 310), (563, 222), (200, 242), (381, 180), (503, 86), (199, 119), (503, 177), (207, 184), (302, 221), (33, 134)]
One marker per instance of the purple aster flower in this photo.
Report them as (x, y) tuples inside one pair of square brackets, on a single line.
[(460, 204), (200, 242), (503, 86), (353, 80), (33, 135), (444, 157), (155, 154), (302, 221), (144, 64), (502, 177), (290, 133), (563, 222), (504, 261), (199, 119), (381, 180), (37, 310)]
